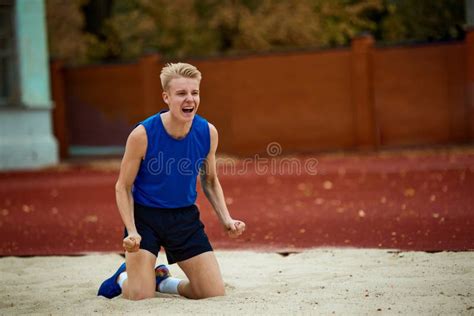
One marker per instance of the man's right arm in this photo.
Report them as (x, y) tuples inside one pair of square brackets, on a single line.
[(135, 150)]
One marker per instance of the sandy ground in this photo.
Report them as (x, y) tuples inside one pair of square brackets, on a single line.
[(321, 281)]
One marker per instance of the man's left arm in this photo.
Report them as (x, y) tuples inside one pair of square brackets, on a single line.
[(213, 190)]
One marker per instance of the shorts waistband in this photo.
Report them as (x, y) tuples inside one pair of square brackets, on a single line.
[(163, 210)]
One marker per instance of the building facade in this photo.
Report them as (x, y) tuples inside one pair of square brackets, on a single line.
[(26, 137)]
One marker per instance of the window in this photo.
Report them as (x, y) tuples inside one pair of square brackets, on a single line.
[(7, 53)]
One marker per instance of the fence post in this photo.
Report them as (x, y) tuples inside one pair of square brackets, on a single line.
[(366, 134), (59, 110), (149, 67), (470, 81)]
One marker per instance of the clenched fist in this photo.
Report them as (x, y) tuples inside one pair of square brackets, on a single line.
[(131, 243), (235, 228)]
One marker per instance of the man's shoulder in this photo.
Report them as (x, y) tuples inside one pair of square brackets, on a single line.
[(200, 118), (204, 121), (138, 133), (212, 128), (150, 119), (147, 125), (137, 141)]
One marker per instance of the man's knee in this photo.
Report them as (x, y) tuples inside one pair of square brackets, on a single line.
[(207, 293), (138, 294), (217, 292)]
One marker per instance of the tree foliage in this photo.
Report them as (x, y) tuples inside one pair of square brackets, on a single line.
[(207, 27), (66, 38), (181, 28), (423, 20)]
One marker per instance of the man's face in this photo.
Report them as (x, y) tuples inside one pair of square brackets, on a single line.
[(182, 98)]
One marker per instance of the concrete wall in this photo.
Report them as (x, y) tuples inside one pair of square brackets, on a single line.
[(26, 136), (26, 139)]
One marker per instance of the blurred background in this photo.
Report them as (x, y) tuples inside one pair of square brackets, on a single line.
[(384, 88), (313, 75)]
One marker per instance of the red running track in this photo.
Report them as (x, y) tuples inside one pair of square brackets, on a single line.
[(404, 200)]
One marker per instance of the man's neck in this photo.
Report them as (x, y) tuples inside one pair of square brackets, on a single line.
[(174, 127)]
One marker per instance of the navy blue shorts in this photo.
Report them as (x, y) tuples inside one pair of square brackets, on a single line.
[(178, 230)]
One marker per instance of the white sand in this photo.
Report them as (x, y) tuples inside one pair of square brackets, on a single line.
[(323, 281)]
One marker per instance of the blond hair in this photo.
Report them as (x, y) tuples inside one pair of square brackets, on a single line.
[(172, 71)]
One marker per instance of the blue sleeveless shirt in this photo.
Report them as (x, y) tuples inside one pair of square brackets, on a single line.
[(168, 173)]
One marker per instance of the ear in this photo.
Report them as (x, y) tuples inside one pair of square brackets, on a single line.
[(165, 98)]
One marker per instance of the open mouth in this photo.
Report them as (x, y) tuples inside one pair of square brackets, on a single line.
[(188, 109)]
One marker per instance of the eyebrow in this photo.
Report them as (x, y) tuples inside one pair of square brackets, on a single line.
[(184, 90)]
